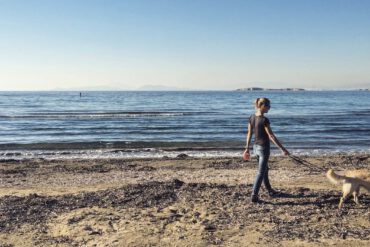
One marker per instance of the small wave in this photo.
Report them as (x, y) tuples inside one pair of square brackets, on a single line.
[(153, 153)]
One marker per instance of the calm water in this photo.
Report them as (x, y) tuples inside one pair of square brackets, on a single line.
[(109, 124)]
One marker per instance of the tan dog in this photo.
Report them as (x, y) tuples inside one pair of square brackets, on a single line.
[(362, 173), (351, 183)]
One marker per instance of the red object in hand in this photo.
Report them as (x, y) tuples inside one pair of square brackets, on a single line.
[(246, 156)]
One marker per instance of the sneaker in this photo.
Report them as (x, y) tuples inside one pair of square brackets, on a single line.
[(254, 199)]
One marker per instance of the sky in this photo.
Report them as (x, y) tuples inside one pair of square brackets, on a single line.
[(188, 44)]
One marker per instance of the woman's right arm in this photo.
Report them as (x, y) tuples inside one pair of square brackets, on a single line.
[(249, 137)]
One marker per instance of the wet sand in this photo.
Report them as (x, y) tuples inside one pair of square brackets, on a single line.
[(178, 202)]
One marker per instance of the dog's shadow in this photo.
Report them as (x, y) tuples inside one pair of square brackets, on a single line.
[(306, 197)]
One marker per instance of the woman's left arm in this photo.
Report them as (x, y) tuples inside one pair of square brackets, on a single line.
[(275, 140)]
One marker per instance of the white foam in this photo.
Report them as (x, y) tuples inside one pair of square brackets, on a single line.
[(150, 153)]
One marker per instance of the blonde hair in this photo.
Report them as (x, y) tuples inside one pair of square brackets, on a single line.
[(261, 101)]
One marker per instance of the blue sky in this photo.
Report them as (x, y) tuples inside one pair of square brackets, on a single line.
[(200, 44)]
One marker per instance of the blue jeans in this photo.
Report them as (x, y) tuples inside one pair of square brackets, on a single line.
[(263, 154)]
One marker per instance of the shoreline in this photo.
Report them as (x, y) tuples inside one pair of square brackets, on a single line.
[(178, 201), (156, 152)]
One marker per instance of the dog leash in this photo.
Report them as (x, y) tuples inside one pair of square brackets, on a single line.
[(307, 164)]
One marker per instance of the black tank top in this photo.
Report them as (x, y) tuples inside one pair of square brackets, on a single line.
[(258, 124)]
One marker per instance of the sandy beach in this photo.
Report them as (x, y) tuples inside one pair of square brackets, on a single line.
[(178, 202)]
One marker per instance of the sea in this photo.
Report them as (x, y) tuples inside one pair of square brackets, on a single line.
[(147, 124)]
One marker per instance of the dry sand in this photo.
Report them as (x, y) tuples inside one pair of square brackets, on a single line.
[(178, 202)]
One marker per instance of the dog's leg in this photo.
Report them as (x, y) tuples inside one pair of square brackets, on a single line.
[(347, 191), (355, 194)]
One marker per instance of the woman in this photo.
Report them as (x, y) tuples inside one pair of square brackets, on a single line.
[(259, 125)]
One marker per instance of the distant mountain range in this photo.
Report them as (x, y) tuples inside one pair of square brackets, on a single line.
[(168, 88), (269, 89)]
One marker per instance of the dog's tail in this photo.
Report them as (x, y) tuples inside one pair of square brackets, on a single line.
[(335, 178), (338, 179)]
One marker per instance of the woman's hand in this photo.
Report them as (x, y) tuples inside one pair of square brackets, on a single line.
[(246, 155), (285, 152)]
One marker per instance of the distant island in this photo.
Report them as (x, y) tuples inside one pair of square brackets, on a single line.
[(269, 89)]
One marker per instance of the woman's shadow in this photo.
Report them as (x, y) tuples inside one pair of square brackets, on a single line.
[(303, 197)]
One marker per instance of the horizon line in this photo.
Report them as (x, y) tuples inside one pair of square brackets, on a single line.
[(193, 90)]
